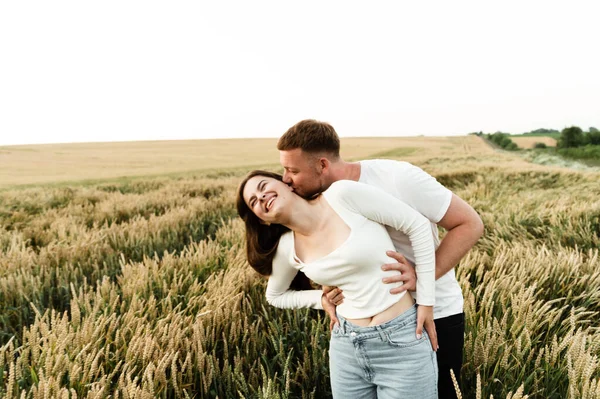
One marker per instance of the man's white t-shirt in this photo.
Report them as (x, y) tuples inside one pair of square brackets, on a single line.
[(425, 194)]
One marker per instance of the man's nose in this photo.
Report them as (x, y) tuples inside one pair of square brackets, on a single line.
[(286, 178)]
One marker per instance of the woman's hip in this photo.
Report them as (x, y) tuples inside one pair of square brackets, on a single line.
[(388, 355), (398, 332), (404, 303)]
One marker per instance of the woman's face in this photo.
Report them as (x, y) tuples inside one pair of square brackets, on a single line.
[(267, 198)]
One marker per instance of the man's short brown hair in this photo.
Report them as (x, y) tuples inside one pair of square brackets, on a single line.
[(311, 136)]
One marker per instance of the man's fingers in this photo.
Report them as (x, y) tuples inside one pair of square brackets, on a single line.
[(398, 290), (407, 274), (396, 279), (401, 267), (399, 257)]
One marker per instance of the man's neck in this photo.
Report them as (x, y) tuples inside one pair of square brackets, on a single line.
[(342, 170)]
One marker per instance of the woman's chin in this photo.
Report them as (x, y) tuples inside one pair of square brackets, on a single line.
[(274, 217)]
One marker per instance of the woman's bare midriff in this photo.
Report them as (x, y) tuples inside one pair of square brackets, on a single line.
[(405, 303)]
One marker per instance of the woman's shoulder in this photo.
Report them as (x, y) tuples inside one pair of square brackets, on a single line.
[(284, 249), (285, 243), (285, 237)]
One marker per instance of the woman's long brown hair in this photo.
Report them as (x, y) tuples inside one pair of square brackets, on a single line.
[(261, 239)]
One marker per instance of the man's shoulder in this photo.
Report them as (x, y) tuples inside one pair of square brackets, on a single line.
[(386, 163), (386, 170), (340, 188)]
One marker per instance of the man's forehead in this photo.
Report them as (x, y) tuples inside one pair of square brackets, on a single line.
[(293, 156)]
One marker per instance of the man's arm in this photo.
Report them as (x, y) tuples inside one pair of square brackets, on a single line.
[(464, 228)]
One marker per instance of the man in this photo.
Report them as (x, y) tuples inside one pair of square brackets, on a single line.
[(309, 154)]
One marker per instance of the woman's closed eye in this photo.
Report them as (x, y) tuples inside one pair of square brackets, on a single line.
[(260, 187)]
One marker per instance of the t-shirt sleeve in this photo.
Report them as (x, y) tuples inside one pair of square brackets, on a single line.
[(381, 207), (421, 191), (278, 291)]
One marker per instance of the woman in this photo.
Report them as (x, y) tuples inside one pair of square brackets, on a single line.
[(338, 239)]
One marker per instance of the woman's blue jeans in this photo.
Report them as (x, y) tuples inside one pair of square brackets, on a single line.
[(384, 361)]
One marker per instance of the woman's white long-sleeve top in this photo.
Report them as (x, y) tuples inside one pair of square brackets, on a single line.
[(355, 266)]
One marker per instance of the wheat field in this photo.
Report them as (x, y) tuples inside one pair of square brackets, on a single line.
[(138, 287)]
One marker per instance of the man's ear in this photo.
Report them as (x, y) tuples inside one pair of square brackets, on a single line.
[(324, 164)]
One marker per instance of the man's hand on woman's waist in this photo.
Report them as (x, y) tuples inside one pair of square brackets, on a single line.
[(408, 275)]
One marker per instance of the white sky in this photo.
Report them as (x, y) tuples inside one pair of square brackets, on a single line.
[(108, 70)]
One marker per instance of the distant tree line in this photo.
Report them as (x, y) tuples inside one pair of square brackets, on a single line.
[(503, 140), (574, 136), (542, 132), (576, 144), (500, 139), (570, 137)]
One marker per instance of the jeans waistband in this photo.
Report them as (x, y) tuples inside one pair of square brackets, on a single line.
[(347, 328)]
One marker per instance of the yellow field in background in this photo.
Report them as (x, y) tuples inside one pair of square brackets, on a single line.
[(529, 142), (51, 163)]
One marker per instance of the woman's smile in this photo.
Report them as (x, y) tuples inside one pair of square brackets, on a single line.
[(270, 203)]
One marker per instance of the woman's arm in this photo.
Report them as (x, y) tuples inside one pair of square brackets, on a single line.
[(383, 208), (278, 288)]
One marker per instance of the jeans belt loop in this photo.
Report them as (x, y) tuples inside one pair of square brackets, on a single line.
[(382, 334)]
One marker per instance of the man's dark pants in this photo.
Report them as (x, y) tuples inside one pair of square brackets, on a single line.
[(451, 340)]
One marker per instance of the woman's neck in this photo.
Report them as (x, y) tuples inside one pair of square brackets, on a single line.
[(307, 217)]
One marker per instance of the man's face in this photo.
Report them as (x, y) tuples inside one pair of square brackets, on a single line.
[(302, 172)]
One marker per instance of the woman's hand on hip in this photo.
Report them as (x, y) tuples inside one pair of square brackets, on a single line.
[(425, 319), (329, 308)]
